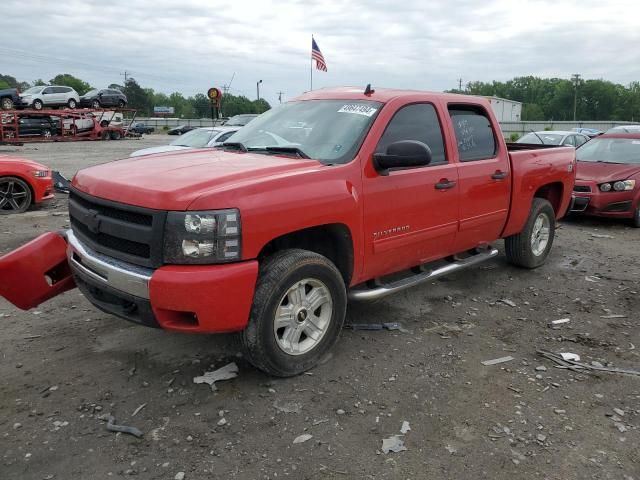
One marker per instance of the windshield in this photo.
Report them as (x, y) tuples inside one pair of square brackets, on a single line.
[(610, 150), (91, 93), (330, 131), (625, 129), (239, 120), (197, 138), (547, 138), (32, 90)]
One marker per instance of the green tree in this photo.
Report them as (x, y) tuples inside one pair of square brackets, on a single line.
[(137, 97), (68, 80), (532, 112)]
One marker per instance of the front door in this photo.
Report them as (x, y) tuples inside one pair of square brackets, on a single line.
[(484, 177), (410, 215)]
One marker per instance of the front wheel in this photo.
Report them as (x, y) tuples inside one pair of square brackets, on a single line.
[(297, 314), (37, 104), (95, 104), (72, 103), (7, 103), (530, 247), (15, 195)]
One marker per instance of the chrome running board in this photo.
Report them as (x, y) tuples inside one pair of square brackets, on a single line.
[(380, 289)]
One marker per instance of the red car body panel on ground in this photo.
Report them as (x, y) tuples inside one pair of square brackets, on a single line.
[(391, 222)]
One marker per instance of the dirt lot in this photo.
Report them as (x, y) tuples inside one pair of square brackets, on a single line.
[(66, 364)]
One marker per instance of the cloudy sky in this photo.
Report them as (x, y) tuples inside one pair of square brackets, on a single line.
[(190, 45)]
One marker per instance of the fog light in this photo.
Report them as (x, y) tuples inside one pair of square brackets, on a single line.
[(196, 248)]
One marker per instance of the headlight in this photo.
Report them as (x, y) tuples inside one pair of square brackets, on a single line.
[(202, 237), (605, 187), (40, 173), (623, 185)]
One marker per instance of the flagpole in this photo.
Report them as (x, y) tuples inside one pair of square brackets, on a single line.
[(311, 69)]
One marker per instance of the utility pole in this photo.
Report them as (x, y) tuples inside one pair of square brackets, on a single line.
[(258, 88), (575, 79), (126, 76), (280, 96), (460, 84)]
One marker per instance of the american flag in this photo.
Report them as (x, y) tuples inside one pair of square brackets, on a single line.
[(316, 55)]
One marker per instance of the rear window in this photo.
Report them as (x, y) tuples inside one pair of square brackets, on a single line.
[(474, 135)]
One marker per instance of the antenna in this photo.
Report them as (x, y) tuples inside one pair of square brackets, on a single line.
[(369, 90)]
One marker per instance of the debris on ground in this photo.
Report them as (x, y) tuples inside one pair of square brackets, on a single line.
[(287, 407), (377, 326), (302, 438), (613, 316), (137, 410), (508, 302), (565, 360), (112, 427), (559, 322), (599, 235), (224, 373), (393, 444), (60, 183), (179, 476), (405, 427), (570, 356), (496, 361)]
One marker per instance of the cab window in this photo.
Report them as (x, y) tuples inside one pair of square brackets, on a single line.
[(474, 135), (418, 122)]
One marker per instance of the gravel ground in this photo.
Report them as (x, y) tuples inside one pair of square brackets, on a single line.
[(65, 365)]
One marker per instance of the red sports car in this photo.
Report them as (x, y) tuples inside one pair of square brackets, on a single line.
[(608, 177), (22, 183)]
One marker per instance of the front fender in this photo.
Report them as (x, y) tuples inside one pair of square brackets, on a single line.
[(36, 272)]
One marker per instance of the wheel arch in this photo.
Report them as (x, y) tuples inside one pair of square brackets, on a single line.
[(553, 193), (333, 241)]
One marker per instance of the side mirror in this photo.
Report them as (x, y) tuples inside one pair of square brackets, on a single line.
[(402, 154)]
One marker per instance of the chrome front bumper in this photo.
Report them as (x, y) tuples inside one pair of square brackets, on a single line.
[(106, 271)]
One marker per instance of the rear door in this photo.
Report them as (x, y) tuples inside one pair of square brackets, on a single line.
[(410, 215), (484, 176)]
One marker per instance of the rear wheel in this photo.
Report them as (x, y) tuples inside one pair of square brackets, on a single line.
[(7, 103), (115, 135), (105, 135), (37, 104), (297, 314), (72, 103), (46, 133), (95, 104), (15, 195), (530, 247), (121, 104)]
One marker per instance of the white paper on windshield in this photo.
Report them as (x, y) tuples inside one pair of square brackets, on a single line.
[(365, 110)]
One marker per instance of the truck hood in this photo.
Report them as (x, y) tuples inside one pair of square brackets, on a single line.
[(605, 172), (174, 181), (160, 149)]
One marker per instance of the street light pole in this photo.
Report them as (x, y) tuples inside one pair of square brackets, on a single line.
[(258, 88)]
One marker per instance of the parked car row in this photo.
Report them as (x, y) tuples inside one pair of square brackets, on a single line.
[(205, 137), (49, 96)]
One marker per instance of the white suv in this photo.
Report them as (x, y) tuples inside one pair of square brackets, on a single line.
[(49, 96)]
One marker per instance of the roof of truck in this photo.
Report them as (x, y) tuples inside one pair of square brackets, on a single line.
[(382, 95)]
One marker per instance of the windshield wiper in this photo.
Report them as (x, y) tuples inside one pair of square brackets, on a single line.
[(285, 149), (239, 145)]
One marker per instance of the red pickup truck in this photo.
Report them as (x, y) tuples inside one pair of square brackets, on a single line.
[(339, 194)]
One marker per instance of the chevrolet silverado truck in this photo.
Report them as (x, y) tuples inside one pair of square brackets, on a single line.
[(341, 194)]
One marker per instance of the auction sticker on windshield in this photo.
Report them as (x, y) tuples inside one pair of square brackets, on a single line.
[(365, 110)]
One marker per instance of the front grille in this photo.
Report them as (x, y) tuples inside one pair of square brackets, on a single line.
[(582, 188), (128, 233)]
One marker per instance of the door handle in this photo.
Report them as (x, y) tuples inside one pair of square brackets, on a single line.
[(499, 175), (445, 184)]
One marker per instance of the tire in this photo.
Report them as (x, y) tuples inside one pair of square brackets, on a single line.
[(105, 135), (636, 218), (15, 195), (6, 103), (530, 248), (121, 104), (290, 349), (95, 104), (37, 105), (115, 135), (104, 123), (72, 104), (46, 133)]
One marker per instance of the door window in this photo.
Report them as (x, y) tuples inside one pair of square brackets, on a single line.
[(47, 91), (474, 135), (570, 141), (581, 140), (416, 122)]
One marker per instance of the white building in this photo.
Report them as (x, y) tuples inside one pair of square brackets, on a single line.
[(506, 110)]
